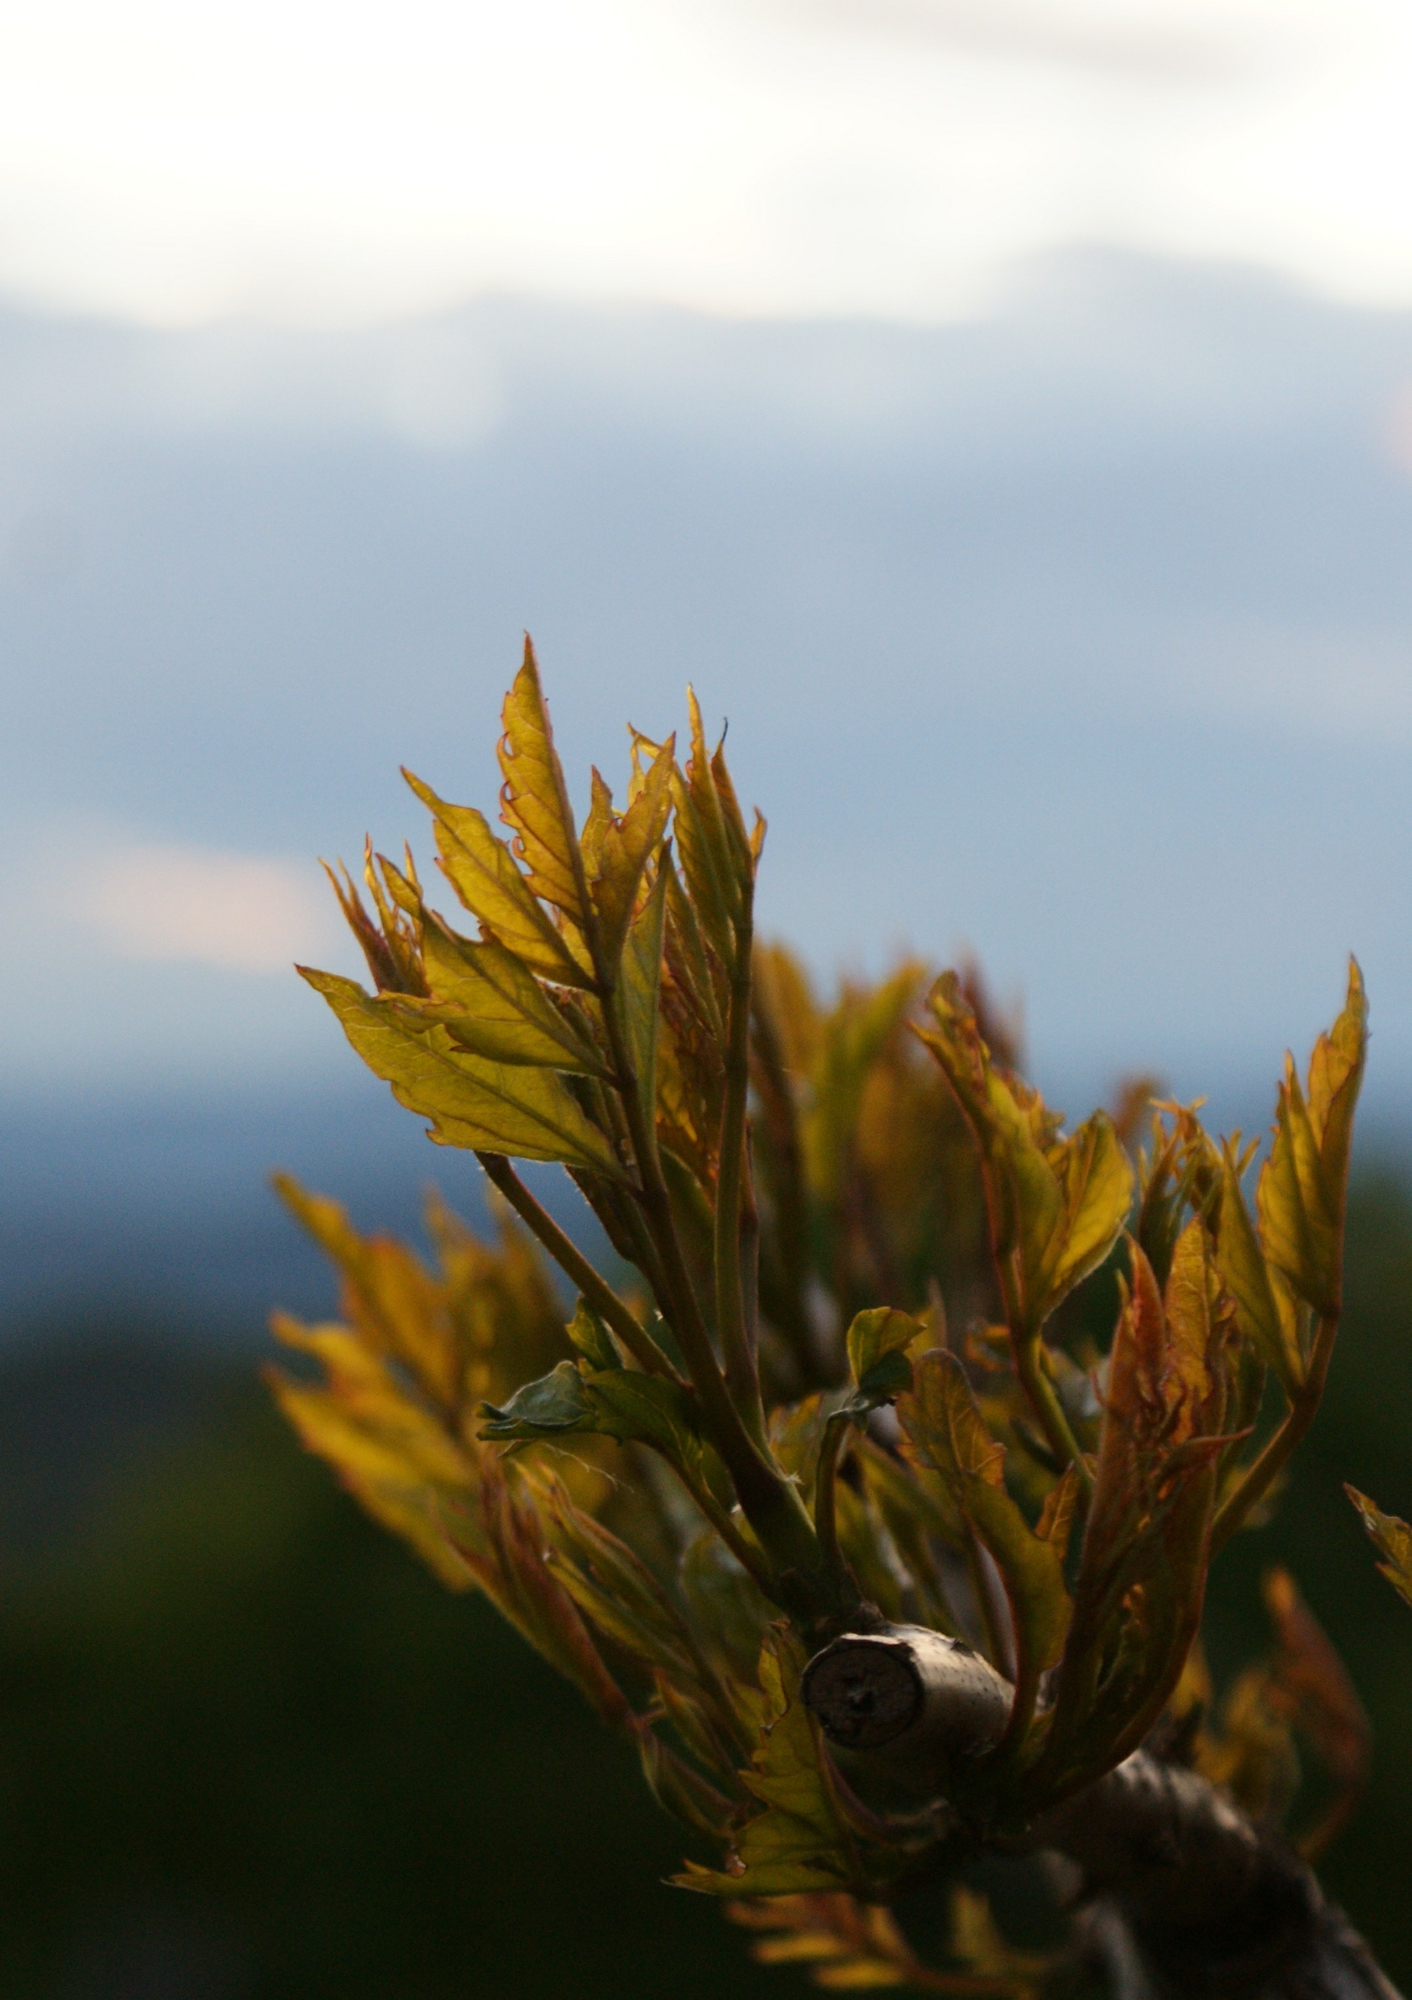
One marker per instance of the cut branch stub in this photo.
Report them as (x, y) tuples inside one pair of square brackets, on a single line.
[(917, 1695)]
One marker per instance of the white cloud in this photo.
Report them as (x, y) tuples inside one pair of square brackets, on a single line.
[(240, 912), (175, 159)]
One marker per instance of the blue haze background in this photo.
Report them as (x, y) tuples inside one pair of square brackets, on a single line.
[(1078, 635)]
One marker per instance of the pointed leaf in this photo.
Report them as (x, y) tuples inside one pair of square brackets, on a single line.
[(534, 799), (1096, 1180), (1391, 1538), (493, 1005), (592, 1339), (488, 1107), (623, 849), (639, 991), (947, 1432), (876, 1333), (1303, 1187), (1246, 1276), (482, 871), (944, 1425), (556, 1402), (800, 1842)]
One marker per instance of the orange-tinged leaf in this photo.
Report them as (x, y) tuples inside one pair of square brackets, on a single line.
[(945, 1430), (1142, 1575), (943, 1424), (520, 1582), (623, 848), (1391, 1538), (483, 872), (1263, 1307), (1095, 1177), (534, 799), (1056, 1206), (1322, 1698), (1304, 1183)]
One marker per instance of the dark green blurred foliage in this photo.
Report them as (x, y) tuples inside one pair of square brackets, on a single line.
[(248, 1747)]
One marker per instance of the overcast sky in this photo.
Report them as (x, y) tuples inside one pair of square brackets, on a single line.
[(1001, 408), (1080, 635), (170, 160)]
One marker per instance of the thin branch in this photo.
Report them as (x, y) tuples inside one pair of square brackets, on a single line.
[(770, 1503), (1214, 1903), (576, 1267)]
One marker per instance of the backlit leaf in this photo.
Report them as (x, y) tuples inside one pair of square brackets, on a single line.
[(498, 1108), (534, 799), (493, 1005), (623, 849), (1096, 1183), (639, 989), (1304, 1182), (946, 1431), (1264, 1310), (1056, 1206), (1142, 1575), (483, 872), (800, 1842), (1391, 1538)]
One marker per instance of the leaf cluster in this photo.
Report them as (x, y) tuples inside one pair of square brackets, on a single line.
[(841, 1388)]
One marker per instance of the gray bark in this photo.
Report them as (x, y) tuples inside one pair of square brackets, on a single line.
[(1181, 1895)]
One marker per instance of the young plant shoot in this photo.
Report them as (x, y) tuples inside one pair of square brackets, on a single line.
[(870, 1486)]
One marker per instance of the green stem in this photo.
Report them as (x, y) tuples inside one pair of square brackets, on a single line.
[(576, 1267), (1022, 1708), (1049, 1411), (741, 1371), (785, 1174), (770, 1503), (825, 1496), (986, 1605), (1264, 1469)]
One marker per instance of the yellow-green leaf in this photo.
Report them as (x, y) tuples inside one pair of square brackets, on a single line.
[(1391, 1538), (1056, 1206), (799, 1843), (639, 990), (876, 1333), (1304, 1183), (493, 1005), (534, 799), (483, 872), (484, 1106), (944, 1425), (1263, 1307), (1335, 1076), (1096, 1183), (947, 1432)]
